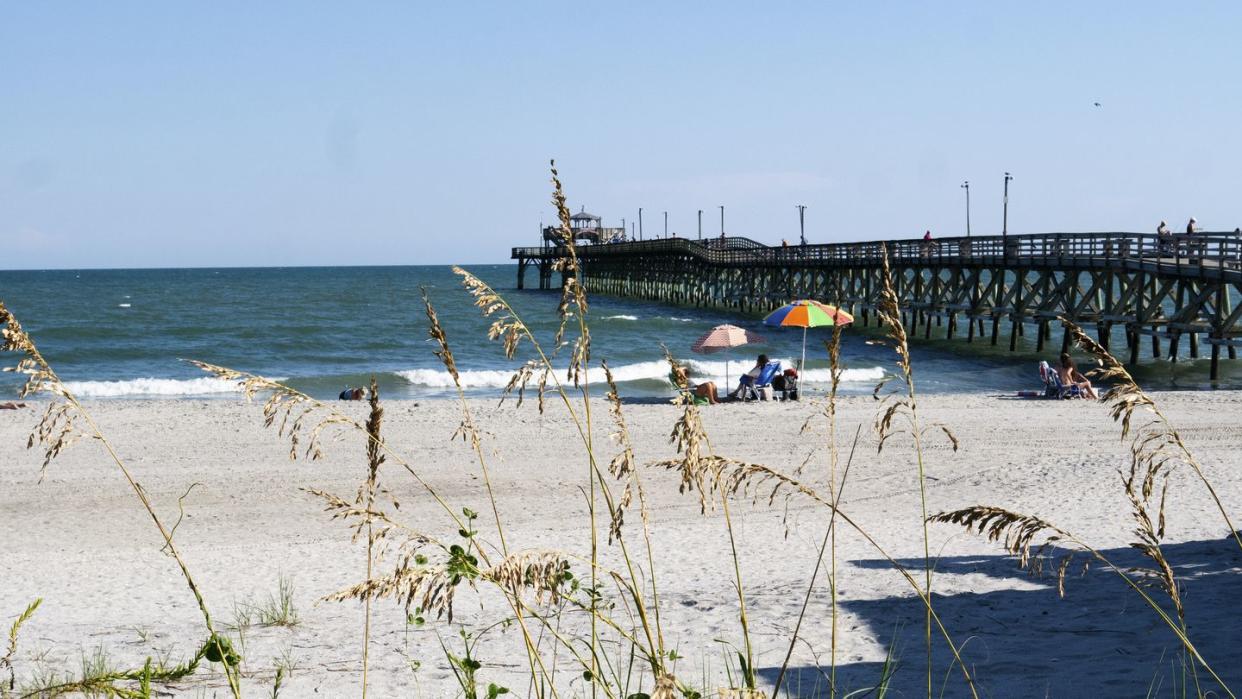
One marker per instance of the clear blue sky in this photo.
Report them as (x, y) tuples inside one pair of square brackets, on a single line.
[(231, 133)]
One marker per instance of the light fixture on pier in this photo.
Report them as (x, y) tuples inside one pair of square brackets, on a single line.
[(1005, 222), (966, 186)]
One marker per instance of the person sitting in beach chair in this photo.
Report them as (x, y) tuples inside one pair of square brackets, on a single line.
[(757, 383), (1070, 376), (1053, 388), (1066, 381), (699, 393), (353, 394)]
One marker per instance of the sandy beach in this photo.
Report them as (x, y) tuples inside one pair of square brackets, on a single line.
[(81, 542)]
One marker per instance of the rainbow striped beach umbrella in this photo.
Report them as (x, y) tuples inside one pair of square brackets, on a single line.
[(807, 313)]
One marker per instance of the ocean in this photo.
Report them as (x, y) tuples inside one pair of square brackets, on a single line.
[(124, 334)]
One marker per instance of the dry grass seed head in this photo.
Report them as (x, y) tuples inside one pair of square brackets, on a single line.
[(57, 429), (542, 573), (1017, 533), (1154, 450), (297, 412), (665, 687), (357, 516), (889, 310), (505, 326), (430, 588), (622, 465), (433, 587), (436, 331)]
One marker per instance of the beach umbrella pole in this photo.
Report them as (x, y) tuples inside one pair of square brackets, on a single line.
[(802, 366)]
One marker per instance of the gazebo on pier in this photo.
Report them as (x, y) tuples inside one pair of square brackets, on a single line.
[(586, 227)]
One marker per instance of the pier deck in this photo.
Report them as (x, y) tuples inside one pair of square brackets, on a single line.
[(1164, 287)]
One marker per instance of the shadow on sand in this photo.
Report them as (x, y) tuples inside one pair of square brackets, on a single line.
[(1101, 640)]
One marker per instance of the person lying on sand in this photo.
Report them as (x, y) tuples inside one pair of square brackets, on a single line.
[(1070, 376), (707, 389), (11, 406)]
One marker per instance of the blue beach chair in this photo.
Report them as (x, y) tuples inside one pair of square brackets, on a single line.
[(750, 389)]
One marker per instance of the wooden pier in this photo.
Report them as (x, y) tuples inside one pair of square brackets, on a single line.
[(1171, 289)]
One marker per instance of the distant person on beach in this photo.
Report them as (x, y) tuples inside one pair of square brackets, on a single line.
[(353, 394), (748, 379), (1191, 227), (1070, 376), (707, 389)]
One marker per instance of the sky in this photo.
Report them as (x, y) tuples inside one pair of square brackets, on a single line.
[(300, 133)]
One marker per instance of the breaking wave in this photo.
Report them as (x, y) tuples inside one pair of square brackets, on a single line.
[(151, 387)]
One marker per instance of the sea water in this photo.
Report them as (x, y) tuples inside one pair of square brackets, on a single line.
[(125, 333)]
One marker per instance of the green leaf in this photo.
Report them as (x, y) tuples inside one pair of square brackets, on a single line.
[(219, 649)]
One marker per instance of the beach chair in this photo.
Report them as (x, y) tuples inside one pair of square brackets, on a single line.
[(787, 383), (761, 387), (685, 395), (1053, 388)]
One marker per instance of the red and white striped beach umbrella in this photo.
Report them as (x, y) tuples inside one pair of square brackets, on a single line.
[(725, 337)]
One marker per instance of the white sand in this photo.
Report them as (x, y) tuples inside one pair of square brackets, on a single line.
[(81, 542)]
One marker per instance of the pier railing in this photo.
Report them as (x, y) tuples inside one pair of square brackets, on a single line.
[(1207, 251)]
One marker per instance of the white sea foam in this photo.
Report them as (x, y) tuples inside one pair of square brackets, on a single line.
[(123, 305), (620, 317), (151, 387), (435, 378), (639, 371), (681, 320), (869, 375)]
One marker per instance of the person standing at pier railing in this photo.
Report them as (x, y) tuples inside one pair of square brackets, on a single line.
[(1165, 238)]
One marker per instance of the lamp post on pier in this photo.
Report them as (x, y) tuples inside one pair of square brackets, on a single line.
[(722, 220), (700, 224), (1005, 222), (666, 224), (966, 186), (802, 223), (640, 223), (622, 228)]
